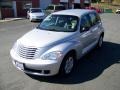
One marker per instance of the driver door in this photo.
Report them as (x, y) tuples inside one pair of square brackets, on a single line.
[(86, 36)]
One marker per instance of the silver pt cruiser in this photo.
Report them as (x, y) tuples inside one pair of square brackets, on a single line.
[(55, 45)]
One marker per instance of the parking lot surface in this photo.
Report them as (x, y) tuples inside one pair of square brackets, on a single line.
[(99, 70)]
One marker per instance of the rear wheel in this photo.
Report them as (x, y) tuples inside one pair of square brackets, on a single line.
[(100, 42), (67, 65)]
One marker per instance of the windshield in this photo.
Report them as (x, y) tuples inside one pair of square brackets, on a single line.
[(36, 10), (59, 23)]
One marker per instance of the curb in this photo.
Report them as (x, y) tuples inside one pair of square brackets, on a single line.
[(13, 19)]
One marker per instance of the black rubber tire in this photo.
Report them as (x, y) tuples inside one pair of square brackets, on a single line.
[(100, 42), (62, 71)]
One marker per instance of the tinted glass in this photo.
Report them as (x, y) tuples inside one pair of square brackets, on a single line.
[(60, 23), (97, 18), (94, 18), (85, 23)]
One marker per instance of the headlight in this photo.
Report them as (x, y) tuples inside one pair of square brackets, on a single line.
[(52, 55), (15, 46)]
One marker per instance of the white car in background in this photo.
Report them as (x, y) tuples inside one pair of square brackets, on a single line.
[(34, 14), (118, 11)]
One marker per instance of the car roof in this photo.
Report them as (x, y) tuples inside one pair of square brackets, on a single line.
[(74, 12)]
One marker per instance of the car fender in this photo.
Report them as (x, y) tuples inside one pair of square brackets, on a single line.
[(64, 47)]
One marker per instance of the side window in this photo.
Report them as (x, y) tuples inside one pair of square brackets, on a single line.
[(85, 23), (98, 18), (94, 18)]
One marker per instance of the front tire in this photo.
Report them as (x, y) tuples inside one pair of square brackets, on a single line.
[(67, 65)]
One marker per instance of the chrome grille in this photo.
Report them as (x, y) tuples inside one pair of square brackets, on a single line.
[(27, 52)]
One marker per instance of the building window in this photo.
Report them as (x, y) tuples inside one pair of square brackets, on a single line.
[(6, 4), (77, 5), (65, 4)]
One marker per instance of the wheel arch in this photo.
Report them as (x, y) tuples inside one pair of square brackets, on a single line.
[(71, 52)]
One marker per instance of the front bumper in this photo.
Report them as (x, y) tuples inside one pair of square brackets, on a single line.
[(36, 66), (36, 18)]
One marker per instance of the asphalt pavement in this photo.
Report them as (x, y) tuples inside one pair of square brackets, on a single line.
[(99, 70)]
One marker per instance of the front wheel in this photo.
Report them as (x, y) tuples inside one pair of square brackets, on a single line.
[(67, 65)]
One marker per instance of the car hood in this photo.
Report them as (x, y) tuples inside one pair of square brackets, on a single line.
[(42, 38), (37, 14)]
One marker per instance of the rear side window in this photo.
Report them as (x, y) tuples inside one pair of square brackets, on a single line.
[(95, 19), (98, 18)]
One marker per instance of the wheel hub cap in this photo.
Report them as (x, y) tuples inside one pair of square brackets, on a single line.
[(69, 65)]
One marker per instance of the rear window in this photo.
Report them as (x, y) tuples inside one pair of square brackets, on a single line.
[(59, 8)]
